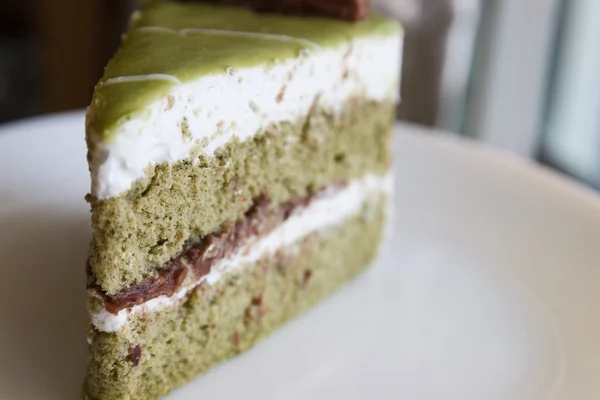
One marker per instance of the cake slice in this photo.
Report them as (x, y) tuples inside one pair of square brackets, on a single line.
[(240, 165)]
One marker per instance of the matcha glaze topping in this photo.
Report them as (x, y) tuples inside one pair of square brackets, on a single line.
[(170, 43)]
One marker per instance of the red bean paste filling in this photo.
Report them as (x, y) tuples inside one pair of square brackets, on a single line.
[(259, 220)]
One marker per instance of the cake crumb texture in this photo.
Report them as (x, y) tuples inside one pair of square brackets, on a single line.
[(176, 204), (157, 352)]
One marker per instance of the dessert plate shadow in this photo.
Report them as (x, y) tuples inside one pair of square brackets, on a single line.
[(487, 289)]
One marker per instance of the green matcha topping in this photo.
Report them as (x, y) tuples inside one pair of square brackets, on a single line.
[(173, 42)]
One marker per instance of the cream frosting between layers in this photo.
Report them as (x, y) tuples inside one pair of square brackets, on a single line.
[(327, 210), (214, 109)]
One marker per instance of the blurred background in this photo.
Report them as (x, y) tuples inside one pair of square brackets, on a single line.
[(522, 75)]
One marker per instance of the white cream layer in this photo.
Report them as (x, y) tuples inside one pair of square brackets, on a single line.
[(239, 103), (329, 209)]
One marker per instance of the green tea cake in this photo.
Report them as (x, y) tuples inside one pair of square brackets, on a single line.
[(240, 166)]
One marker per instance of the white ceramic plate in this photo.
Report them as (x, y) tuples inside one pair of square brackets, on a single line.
[(490, 289)]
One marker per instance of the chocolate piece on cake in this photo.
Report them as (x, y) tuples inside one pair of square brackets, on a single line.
[(241, 172), (350, 10)]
